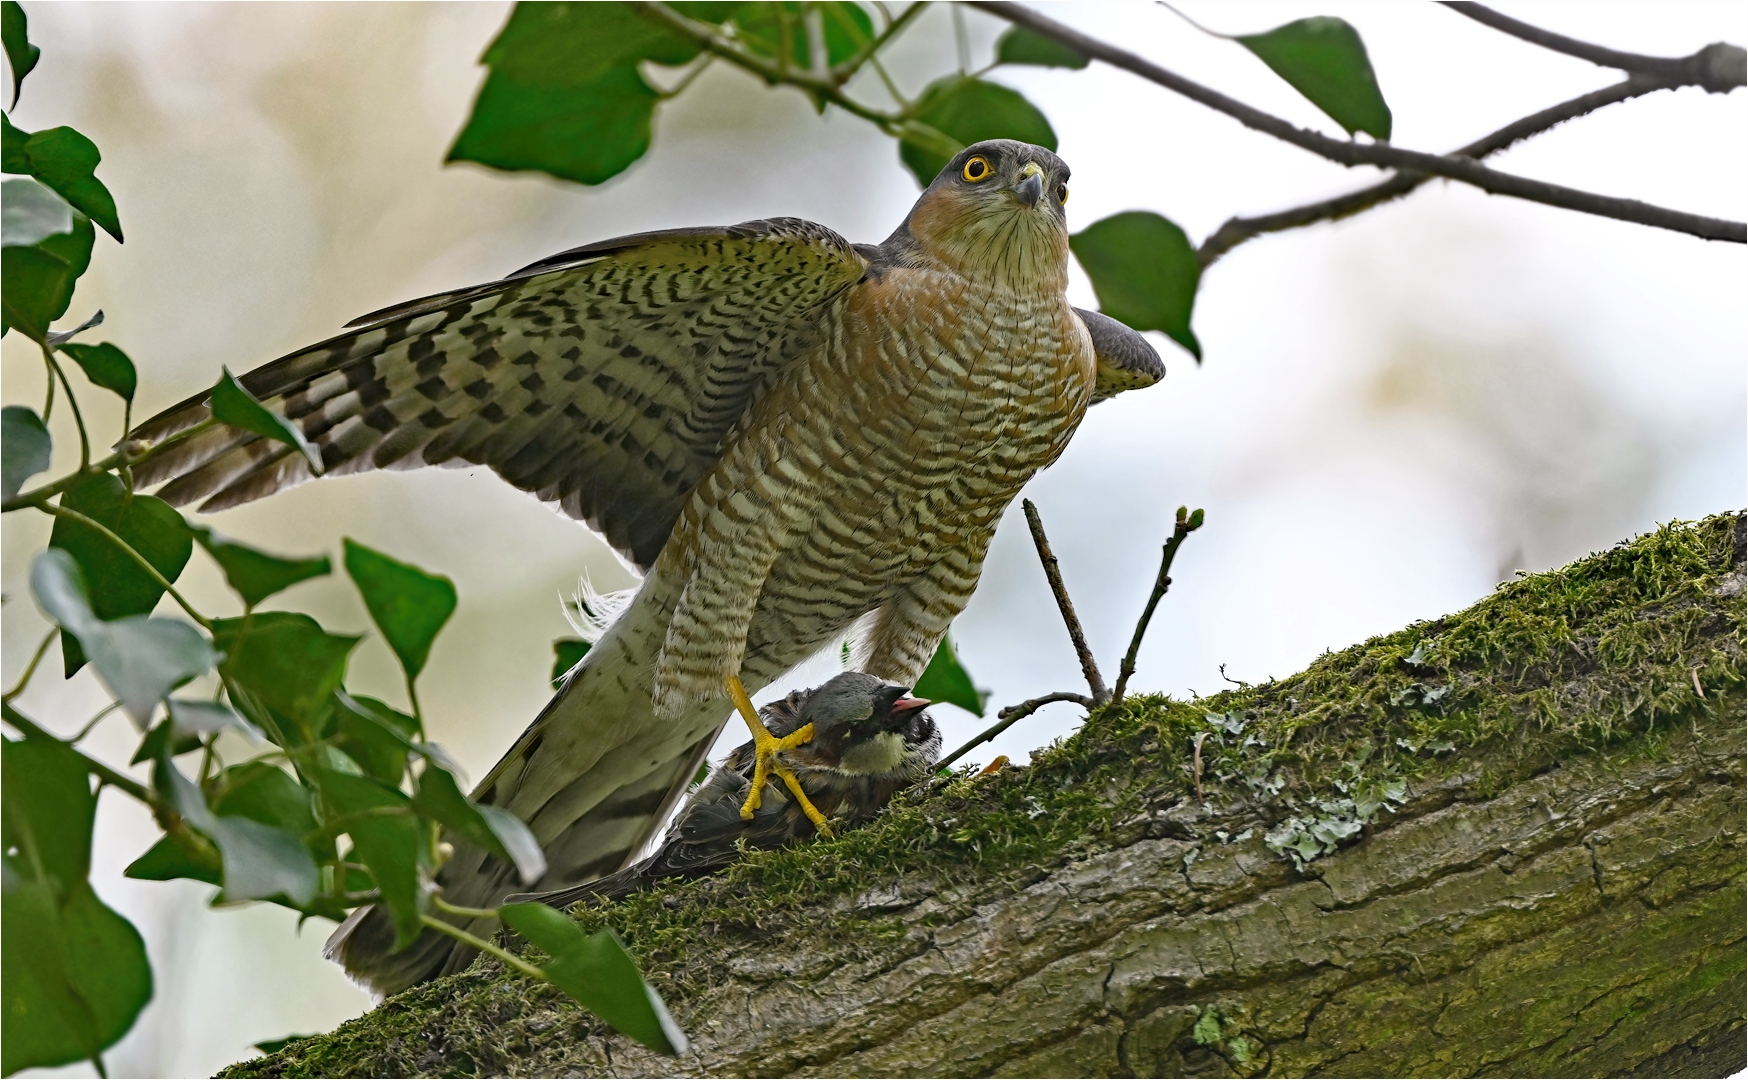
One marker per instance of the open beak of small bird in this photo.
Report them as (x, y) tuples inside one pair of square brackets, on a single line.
[(1030, 187), (907, 704)]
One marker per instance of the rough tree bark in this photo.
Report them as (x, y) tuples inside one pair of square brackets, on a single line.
[(1508, 842)]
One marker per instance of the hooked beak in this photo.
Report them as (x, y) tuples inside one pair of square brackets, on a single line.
[(906, 704), (1030, 187)]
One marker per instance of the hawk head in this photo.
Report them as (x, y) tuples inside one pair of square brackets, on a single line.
[(996, 211)]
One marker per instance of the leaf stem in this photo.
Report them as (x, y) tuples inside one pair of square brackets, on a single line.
[(152, 571), (55, 371), (124, 458), (96, 768), (510, 959), (30, 668), (456, 909)]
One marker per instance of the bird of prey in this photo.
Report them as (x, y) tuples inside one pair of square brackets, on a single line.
[(793, 435), (870, 741)]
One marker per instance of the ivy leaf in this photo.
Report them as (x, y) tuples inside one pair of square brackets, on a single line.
[(564, 95), (65, 161), (408, 605), (106, 366), (847, 30), (49, 812), (39, 286), (376, 736), (497, 831), (945, 679), (119, 585), (255, 575), (287, 663), (1144, 271), (25, 447), (1324, 59), (74, 975), (598, 973), (192, 719), (140, 659), (237, 407), (567, 653), (971, 110), (260, 861), (391, 844), (21, 56), (1022, 46), (30, 212)]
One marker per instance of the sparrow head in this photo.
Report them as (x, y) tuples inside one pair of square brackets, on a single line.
[(996, 211), (864, 725)]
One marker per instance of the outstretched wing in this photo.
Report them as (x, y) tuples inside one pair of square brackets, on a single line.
[(603, 378)]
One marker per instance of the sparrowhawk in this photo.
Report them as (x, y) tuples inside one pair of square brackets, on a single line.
[(788, 432)]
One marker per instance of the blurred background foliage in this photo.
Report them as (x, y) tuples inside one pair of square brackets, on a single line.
[(1396, 412)]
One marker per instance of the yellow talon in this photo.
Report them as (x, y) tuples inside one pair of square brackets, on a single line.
[(765, 749)]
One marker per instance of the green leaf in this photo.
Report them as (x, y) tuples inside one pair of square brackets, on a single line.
[(1022, 46), (945, 679), (408, 605), (260, 861), (274, 1046), (564, 95), (193, 719), (140, 659), (287, 663), (235, 406), (21, 55), (971, 110), (66, 161), (39, 286), (167, 860), (255, 575), (119, 586), (567, 653), (392, 844), (263, 792), (74, 975), (374, 735), (497, 831), (599, 974), (49, 812), (1144, 271), (1324, 59), (25, 447), (847, 30), (604, 978), (163, 738), (30, 212), (106, 366)]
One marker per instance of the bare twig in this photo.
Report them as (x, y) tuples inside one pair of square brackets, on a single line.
[(1053, 574), (1186, 524), (1239, 229), (1352, 153), (1719, 67), (1008, 717)]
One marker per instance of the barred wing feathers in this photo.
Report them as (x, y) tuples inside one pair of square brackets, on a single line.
[(603, 378)]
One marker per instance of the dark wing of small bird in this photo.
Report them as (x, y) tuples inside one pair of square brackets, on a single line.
[(603, 378)]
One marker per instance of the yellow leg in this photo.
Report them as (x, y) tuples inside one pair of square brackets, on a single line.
[(765, 748)]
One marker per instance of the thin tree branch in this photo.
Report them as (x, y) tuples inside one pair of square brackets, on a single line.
[(1010, 716), (1186, 524), (1053, 574), (1351, 153), (1239, 229), (1719, 67)]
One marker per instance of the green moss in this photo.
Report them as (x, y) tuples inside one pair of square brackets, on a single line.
[(1599, 657)]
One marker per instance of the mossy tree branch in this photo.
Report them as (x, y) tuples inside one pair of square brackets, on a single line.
[(1508, 841)]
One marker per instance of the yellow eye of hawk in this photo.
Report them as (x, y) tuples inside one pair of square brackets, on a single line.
[(1062, 193), (977, 169)]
